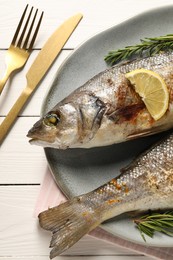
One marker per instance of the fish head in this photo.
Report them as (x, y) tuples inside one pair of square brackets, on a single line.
[(57, 129)]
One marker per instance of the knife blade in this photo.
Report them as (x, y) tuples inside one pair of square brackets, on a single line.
[(39, 68)]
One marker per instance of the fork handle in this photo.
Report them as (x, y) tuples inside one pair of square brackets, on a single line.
[(4, 79), (13, 113)]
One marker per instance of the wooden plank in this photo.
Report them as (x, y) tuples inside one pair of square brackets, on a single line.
[(21, 236), (21, 162), (105, 257)]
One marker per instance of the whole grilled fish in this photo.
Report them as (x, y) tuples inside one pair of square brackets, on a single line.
[(105, 110), (147, 183)]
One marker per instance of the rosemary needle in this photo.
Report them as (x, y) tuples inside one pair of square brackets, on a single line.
[(155, 222), (148, 47)]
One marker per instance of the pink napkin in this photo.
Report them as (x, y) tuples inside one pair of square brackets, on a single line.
[(50, 196)]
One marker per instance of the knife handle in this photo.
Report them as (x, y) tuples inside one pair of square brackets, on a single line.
[(13, 113)]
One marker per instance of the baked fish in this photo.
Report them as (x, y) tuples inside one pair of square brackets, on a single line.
[(147, 183), (105, 110)]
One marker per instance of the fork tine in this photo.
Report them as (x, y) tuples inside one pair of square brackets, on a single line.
[(19, 26), (29, 32), (36, 32), (24, 29)]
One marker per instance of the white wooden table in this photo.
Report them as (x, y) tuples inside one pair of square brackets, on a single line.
[(23, 166)]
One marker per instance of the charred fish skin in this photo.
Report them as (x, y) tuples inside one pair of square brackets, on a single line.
[(146, 184), (105, 110)]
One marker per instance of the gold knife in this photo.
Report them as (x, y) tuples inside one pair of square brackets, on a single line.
[(38, 69)]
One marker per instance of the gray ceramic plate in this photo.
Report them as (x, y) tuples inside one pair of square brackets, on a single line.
[(81, 170)]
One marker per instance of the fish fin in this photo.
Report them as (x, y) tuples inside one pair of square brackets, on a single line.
[(135, 213), (149, 131), (68, 222), (141, 134), (144, 133)]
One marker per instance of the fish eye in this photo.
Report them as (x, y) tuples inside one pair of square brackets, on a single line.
[(51, 119)]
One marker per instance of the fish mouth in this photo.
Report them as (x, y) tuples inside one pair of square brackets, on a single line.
[(45, 144), (33, 140), (39, 142), (36, 138)]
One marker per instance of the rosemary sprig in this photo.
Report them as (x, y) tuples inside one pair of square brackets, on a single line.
[(147, 47), (155, 222)]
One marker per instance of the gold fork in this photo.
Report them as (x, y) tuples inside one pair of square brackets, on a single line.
[(21, 46)]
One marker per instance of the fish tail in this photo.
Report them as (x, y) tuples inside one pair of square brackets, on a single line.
[(68, 222)]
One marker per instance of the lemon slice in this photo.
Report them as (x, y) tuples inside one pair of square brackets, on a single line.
[(152, 89)]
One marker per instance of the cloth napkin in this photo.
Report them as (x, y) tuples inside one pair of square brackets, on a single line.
[(50, 195)]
